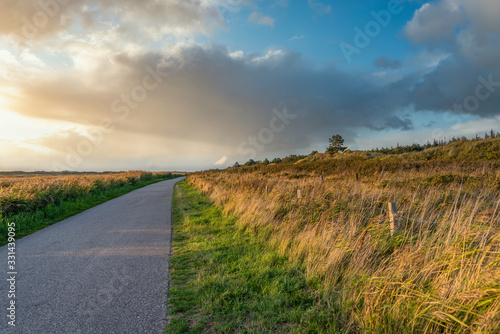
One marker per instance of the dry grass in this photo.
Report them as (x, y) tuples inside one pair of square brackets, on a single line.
[(33, 202), (439, 273), (20, 193)]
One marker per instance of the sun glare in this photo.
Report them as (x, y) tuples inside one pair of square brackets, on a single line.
[(15, 127)]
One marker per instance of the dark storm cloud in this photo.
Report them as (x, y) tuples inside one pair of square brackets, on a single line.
[(387, 63), (468, 79), (205, 95), (459, 86)]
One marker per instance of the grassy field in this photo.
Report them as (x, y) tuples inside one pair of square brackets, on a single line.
[(226, 280), (439, 273), (36, 201)]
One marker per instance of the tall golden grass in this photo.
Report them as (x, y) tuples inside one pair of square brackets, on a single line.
[(439, 273), (26, 192)]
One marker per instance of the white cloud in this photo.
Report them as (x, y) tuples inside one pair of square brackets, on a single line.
[(297, 37), (137, 20), (435, 22), (319, 8), (221, 161), (31, 59), (237, 54), (261, 19), (271, 55), (7, 58)]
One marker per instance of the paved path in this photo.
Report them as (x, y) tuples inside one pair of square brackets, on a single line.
[(102, 271)]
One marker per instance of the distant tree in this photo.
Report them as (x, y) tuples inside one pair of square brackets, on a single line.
[(313, 153), (336, 143), (236, 164), (250, 162), (266, 161)]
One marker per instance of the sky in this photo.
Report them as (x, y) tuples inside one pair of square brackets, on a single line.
[(197, 84)]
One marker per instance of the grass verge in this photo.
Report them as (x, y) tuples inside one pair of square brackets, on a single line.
[(228, 280), (31, 221)]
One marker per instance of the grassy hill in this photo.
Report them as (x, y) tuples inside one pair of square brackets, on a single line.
[(439, 272)]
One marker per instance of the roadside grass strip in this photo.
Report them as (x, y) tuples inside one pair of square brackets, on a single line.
[(228, 280)]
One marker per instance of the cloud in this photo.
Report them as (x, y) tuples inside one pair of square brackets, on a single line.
[(210, 101), (393, 122), (297, 37), (261, 19), (281, 3), (435, 22), (482, 15), (319, 8), (32, 19), (454, 82), (60, 139), (274, 56), (7, 58), (469, 36), (467, 128), (221, 161), (237, 54), (387, 63)]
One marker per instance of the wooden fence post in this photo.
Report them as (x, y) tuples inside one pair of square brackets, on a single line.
[(393, 215), (322, 178), (267, 189), (357, 177), (383, 170), (299, 194)]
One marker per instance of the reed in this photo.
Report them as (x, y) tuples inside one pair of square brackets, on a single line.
[(439, 273)]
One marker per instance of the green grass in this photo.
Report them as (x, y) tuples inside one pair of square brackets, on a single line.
[(228, 280), (34, 220)]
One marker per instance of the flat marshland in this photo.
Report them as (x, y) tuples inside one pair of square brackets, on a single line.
[(33, 201), (327, 215)]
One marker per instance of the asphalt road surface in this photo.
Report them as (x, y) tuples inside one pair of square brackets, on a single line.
[(104, 270)]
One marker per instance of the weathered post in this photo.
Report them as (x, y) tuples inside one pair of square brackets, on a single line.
[(299, 194), (357, 177), (383, 170), (322, 178), (267, 190), (393, 215)]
